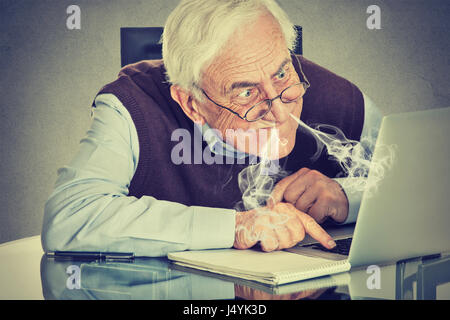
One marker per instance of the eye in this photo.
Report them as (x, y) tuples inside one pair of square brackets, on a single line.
[(282, 74), (245, 94)]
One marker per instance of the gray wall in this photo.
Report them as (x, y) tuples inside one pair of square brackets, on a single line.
[(49, 75)]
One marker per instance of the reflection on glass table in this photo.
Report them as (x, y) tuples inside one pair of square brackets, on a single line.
[(422, 278), (158, 279)]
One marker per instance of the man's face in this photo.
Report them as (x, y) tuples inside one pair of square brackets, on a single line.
[(255, 63)]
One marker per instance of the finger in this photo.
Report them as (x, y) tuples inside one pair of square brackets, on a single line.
[(246, 231), (315, 230), (341, 213), (295, 190), (296, 231), (284, 237), (278, 191), (302, 294), (244, 238), (269, 240), (303, 182), (327, 206), (308, 198), (319, 211), (287, 226)]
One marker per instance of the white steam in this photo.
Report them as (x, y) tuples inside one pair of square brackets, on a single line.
[(257, 181), (354, 157)]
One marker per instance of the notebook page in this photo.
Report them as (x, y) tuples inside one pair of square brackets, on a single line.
[(251, 262)]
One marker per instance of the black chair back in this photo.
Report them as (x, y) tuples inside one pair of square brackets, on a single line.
[(138, 44)]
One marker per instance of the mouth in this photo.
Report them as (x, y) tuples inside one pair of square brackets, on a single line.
[(267, 125), (284, 141), (270, 125)]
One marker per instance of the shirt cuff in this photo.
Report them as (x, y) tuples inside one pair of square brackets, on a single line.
[(354, 201), (212, 228)]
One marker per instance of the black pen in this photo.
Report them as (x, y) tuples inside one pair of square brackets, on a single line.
[(92, 256)]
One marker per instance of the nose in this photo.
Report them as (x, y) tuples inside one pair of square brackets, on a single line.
[(279, 111)]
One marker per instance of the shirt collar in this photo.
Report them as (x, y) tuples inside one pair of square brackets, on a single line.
[(217, 145)]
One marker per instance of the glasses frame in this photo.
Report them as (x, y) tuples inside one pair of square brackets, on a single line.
[(304, 83)]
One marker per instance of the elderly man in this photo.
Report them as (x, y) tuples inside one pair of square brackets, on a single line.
[(227, 65)]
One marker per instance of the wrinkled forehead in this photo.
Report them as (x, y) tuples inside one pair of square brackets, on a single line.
[(252, 52)]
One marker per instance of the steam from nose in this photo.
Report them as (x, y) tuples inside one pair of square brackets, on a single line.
[(257, 181), (353, 156)]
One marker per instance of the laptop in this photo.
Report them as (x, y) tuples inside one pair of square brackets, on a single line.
[(409, 213), (406, 216)]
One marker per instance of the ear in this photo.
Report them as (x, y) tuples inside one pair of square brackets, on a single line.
[(187, 103)]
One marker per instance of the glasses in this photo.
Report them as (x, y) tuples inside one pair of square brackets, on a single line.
[(262, 108)]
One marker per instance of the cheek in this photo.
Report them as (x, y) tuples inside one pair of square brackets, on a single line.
[(227, 121), (230, 126), (297, 110), (239, 133), (292, 126), (219, 119), (288, 129)]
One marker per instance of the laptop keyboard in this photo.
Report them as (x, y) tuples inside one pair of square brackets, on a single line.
[(342, 247)]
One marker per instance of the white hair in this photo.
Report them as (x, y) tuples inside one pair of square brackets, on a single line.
[(197, 30)]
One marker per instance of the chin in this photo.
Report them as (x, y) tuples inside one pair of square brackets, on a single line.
[(285, 140), (286, 149), (270, 143), (282, 150)]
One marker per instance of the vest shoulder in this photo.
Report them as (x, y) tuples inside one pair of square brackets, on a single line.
[(144, 77), (328, 88), (323, 77), (144, 66), (143, 73)]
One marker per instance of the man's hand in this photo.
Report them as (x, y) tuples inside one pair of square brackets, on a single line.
[(314, 193), (248, 293), (278, 227)]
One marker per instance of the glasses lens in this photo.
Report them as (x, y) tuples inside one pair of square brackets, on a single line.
[(293, 93), (258, 111)]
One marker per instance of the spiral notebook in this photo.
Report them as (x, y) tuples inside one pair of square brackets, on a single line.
[(274, 268)]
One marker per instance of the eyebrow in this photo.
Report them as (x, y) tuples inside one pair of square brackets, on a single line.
[(246, 84)]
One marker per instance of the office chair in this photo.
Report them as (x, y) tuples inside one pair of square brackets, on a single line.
[(138, 44)]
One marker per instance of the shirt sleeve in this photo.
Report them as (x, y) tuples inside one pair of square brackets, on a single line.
[(369, 135), (90, 210)]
